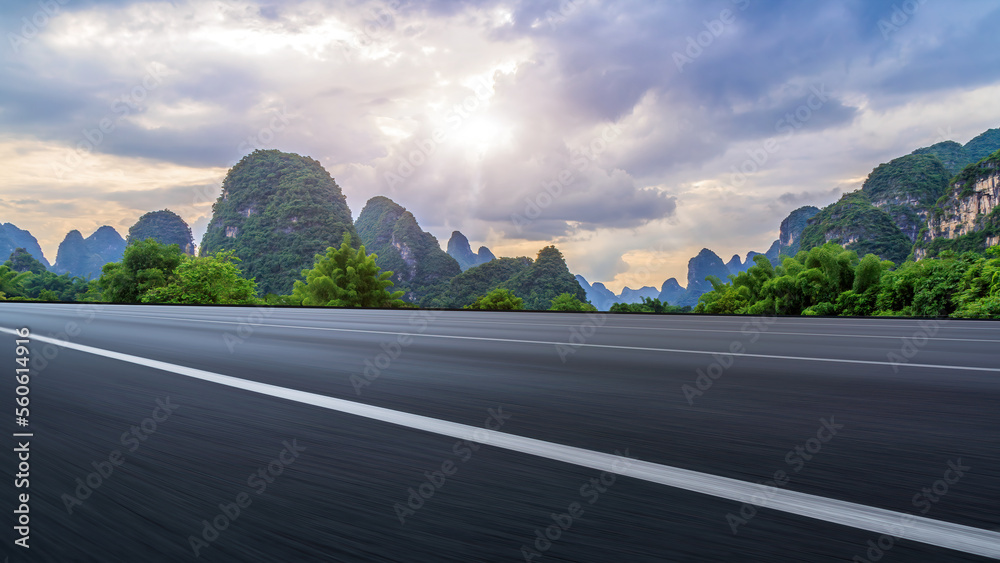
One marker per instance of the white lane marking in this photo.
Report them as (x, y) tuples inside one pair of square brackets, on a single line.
[(762, 332), (604, 346), (925, 530)]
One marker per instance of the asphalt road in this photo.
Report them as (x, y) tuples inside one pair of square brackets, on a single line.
[(890, 415)]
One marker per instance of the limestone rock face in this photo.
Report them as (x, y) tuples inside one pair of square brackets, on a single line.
[(968, 214)]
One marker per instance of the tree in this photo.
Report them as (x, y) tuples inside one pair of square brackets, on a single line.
[(346, 277), (569, 302), (208, 280), (653, 305), (498, 300), (145, 265), (10, 282)]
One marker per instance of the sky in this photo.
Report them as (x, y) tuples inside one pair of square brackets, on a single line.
[(630, 134)]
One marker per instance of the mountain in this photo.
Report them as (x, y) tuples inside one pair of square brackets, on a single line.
[(983, 145), (956, 157), (706, 263), (547, 277), (854, 223), (906, 189), (12, 238), (165, 226), (414, 256), (459, 249), (629, 295), (598, 295), (968, 217), (735, 265), (85, 257), (277, 211), (479, 280), (671, 292)]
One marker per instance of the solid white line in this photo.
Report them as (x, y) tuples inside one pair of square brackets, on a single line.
[(605, 346), (613, 327), (925, 530)]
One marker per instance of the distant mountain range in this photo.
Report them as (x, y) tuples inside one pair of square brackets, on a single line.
[(278, 210)]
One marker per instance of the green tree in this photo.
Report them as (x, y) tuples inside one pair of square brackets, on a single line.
[(651, 305), (498, 300), (145, 265), (569, 302), (346, 277), (10, 282), (208, 280)]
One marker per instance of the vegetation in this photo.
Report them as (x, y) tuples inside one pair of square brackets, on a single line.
[(952, 155), (22, 261), (276, 212), (648, 305), (146, 265), (208, 280), (165, 226), (346, 277), (497, 300), (464, 288), (985, 144), (831, 280), (569, 302), (915, 176)]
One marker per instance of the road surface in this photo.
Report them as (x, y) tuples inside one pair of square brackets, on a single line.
[(254, 434)]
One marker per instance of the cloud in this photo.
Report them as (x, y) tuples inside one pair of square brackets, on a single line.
[(521, 90)]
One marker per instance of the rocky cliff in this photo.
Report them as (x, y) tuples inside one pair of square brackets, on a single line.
[(414, 256), (706, 263), (968, 217), (12, 238), (277, 211), (598, 295), (460, 250)]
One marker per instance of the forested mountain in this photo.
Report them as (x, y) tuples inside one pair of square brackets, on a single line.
[(459, 249), (277, 211), (420, 268), (956, 157), (546, 278), (85, 257), (165, 226), (479, 280)]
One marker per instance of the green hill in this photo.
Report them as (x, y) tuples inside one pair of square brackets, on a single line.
[(165, 226), (277, 211), (856, 224)]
